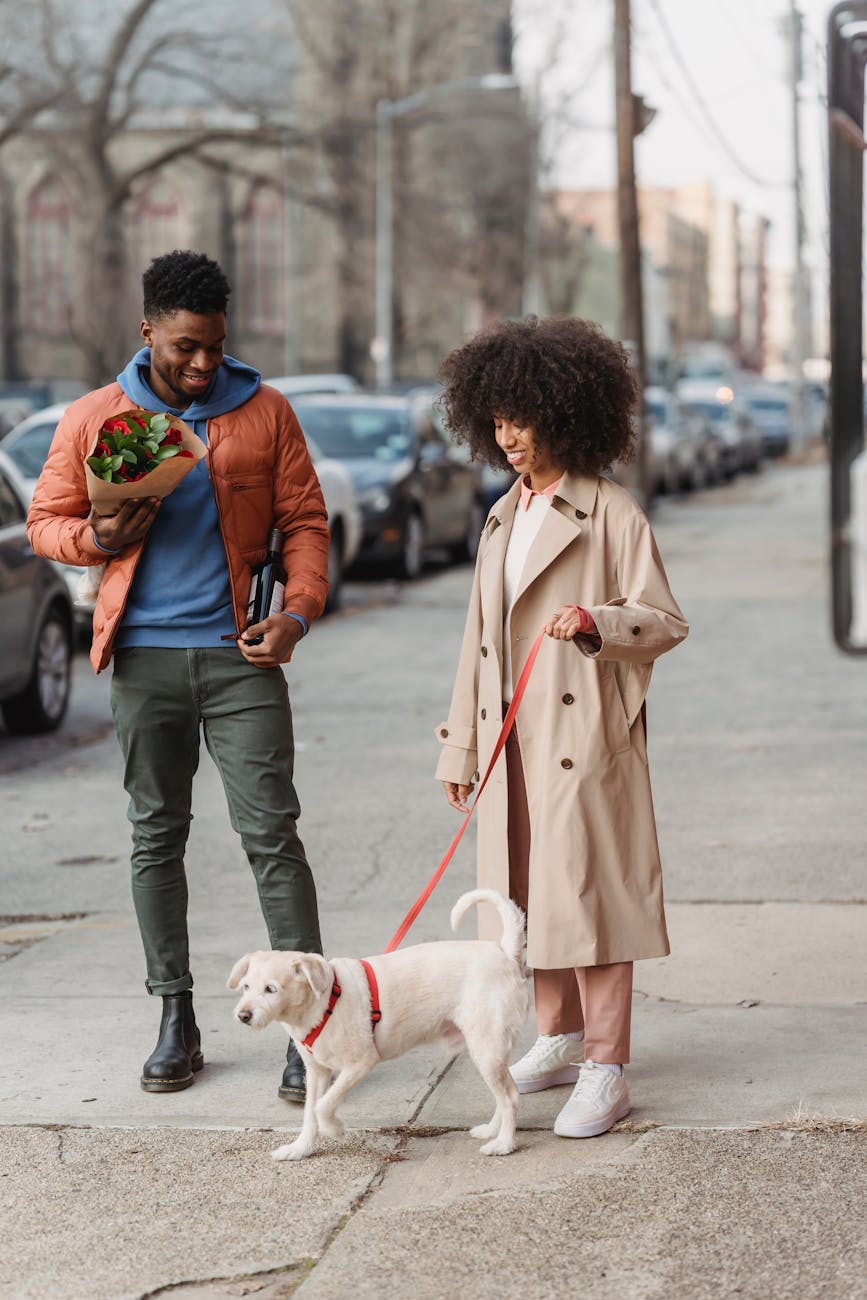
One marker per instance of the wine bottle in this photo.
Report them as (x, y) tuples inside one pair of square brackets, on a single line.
[(267, 585)]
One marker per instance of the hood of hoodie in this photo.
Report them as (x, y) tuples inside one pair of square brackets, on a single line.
[(233, 385)]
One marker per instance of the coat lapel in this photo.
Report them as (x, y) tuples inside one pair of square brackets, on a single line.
[(500, 524)]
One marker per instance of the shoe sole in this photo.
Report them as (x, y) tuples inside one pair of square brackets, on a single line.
[(568, 1074), (595, 1128), (173, 1085), (292, 1094)]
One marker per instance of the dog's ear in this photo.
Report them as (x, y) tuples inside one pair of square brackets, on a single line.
[(317, 973), (239, 970)]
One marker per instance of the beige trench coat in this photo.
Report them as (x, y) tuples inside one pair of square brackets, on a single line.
[(595, 885)]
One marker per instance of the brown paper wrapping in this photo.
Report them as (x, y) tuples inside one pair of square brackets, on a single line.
[(107, 497)]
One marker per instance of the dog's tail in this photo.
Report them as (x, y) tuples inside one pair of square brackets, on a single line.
[(512, 937)]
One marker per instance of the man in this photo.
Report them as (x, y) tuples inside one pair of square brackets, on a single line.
[(172, 612)]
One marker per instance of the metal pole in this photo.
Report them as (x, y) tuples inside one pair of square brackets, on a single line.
[(383, 342), (798, 340), (631, 298)]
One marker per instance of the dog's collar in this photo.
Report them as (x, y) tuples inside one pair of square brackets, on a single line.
[(315, 1032), (375, 1013)]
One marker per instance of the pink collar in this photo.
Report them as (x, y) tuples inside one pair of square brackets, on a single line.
[(527, 492)]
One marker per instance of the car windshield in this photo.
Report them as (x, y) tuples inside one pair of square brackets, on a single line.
[(657, 412), (28, 452), (712, 411), (776, 404), (358, 432)]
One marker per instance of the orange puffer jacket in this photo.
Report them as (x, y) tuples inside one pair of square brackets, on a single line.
[(262, 476)]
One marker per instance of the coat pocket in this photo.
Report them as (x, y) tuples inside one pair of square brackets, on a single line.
[(615, 723), (250, 500)]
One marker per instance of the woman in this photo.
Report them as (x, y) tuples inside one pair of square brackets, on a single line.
[(566, 824)]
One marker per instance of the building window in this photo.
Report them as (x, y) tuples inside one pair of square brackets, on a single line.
[(49, 259), (157, 225), (263, 265)]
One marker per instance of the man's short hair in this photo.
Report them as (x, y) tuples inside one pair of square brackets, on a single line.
[(184, 281)]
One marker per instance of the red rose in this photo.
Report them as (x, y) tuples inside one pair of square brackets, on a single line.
[(114, 426), (101, 450), (173, 438), (142, 424), (187, 454)]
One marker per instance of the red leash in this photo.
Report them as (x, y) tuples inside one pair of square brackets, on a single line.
[(508, 721)]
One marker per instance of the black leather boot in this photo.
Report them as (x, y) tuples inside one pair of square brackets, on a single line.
[(294, 1085), (177, 1055)]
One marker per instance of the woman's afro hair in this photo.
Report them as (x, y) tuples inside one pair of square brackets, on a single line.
[(184, 281), (561, 377)]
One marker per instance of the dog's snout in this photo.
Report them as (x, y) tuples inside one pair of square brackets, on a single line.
[(245, 1015)]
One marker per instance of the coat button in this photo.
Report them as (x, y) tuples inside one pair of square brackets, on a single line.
[(484, 652), (566, 762), (483, 714), (444, 732), (636, 631), (580, 514), (568, 699)]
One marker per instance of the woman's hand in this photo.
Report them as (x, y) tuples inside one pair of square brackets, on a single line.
[(458, 795), (571, 621)]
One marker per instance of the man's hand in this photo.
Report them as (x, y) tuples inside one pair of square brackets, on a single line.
[(458, 795), (129, 525), (279, 634)]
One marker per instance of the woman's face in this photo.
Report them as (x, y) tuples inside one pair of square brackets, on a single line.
[(521, 450)]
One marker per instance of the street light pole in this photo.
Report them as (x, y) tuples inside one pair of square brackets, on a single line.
[(382, 346)]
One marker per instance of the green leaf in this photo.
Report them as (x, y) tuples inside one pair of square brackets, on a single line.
[(115, 462), (160, 424), (106, 474), (95, 463), (152, 446), (130, 457), (165, 453)]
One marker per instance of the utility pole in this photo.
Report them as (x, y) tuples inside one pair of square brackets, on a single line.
[(630, 286), (799, 343)]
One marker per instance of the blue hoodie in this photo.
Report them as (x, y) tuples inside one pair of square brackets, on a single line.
[(180, 594)]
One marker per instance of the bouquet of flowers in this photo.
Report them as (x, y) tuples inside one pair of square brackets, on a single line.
[(139, 454)]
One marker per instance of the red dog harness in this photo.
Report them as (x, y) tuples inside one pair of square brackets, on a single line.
[(375, 1013)]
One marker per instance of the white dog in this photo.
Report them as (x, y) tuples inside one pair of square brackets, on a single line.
[(471, 994)]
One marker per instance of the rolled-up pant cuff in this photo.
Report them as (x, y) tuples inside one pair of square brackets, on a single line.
[(163, 988)]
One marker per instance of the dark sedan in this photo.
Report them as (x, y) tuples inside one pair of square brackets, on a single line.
[(417, 491), (35, 624)]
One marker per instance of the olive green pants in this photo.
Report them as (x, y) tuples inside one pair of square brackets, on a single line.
[(160, 699)]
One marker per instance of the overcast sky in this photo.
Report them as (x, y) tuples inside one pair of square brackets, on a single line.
[(735, 73)]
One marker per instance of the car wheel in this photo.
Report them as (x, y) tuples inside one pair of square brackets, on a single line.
[(335, 569), (411, 560), (468, 548), (41, 706)]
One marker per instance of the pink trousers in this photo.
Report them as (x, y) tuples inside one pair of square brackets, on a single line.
[(597, 999)]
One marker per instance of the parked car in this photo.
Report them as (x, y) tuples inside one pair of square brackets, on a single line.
[(770, 407), (36, 626), (675, 450), (730, 437), (417, 490)]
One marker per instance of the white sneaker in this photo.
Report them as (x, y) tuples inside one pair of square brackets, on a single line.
[(553, 1059), (599, 1099)]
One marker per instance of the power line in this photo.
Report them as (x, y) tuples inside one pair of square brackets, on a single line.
[(702, 104)]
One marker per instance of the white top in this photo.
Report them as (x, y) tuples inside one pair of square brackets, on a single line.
[(525, 528)]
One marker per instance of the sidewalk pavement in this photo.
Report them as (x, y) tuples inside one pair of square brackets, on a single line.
[(741, 1170)]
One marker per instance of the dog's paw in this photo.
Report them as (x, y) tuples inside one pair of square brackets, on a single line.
[(485, 1130), (499, 1147), (296, 1150)]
